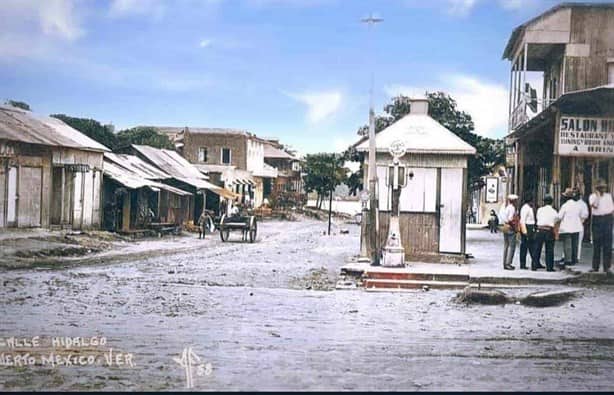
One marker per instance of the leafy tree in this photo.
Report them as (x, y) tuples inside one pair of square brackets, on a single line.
[(144, 136), (324, 172), (18, 104), (92, 129), (442, 108)]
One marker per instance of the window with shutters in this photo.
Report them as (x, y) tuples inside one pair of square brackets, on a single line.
[(226, 156), (202, 154)]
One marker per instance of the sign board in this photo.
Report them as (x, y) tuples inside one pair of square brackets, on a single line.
[(397, 149), (492, 189), (583, 136)]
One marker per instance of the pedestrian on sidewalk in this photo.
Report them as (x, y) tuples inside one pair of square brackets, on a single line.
[(584, 217), (603, 210), (547, 218), (510, 223), (527, 232), (202, 224), (493, 222), (571, 217)]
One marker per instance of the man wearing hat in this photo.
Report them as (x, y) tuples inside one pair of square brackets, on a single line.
[(509, 220), (571, 217), (603, 208)]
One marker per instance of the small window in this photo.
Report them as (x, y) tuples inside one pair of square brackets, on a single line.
[(203, 154), (611, 71), (226, 156)]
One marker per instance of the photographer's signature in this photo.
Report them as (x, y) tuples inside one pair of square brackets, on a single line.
[(192, 363)]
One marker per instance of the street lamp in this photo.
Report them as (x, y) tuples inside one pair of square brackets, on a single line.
[(373, 198)]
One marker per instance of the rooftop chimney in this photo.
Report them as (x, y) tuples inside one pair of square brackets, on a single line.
[(419, 106)]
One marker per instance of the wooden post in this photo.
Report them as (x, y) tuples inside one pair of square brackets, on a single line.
[(509, 110), (126, 212), (520, 167), (556, 165)]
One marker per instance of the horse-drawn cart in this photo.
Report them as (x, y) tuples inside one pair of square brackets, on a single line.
[(246, 224)]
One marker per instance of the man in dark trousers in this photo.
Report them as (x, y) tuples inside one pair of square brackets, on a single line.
[(603, 208), (547, 218), (527, 234)]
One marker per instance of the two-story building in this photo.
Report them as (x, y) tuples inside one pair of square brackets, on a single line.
[(288, 167), (232, 158), (564, 138)]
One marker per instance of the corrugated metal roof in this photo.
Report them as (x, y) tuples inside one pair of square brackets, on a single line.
[(420, 134), (24, 126), (275, 153), (137, 166), (179, 168), (132, 180), (170, 162)]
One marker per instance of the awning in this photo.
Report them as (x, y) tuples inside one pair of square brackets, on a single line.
[(225, 193), (174, 190), (131, 181)]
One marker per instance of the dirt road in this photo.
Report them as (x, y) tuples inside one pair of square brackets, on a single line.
[(262, 317)]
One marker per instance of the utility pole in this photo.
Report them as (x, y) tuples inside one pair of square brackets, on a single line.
[(372, 171), (332, 189)]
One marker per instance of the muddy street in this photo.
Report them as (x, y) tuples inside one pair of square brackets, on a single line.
[(266, 316)]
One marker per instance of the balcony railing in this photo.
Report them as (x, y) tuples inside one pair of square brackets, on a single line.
[(523, 112)]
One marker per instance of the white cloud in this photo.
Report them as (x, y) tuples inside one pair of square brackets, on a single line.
[(204, 43), (486, 102), (320, 105), (34, 28), (460, 7), (58, 17), (123, 8)]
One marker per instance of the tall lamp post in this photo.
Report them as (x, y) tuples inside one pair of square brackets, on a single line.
[(373, 196)]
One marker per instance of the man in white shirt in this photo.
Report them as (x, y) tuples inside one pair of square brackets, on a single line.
[(571, 219), (603, 208), (547, 218), (527, 234), (584, 216), (509, 232)]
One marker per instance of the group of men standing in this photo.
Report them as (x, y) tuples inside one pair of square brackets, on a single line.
[(540, 228)]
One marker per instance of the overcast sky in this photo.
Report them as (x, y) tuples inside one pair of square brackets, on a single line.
[(293, 69)]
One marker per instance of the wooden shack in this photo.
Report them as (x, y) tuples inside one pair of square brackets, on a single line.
[(135, 199), (433, 202), (50, 173)]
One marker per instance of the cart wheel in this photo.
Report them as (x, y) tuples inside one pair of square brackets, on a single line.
[(224, 234), (253, 231)]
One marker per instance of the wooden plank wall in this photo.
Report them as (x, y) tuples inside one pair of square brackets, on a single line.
[(419, 232), (595, 27)]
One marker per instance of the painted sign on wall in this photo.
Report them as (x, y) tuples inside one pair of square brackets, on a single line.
[(492, 189), (581, 136)]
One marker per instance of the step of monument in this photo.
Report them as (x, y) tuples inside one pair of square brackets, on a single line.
[(372, 284), (383, 275)]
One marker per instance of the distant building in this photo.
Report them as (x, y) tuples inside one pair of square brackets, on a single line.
[(566, 137), (288, 167), (233, 159), (50, 173), (184, 176)]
